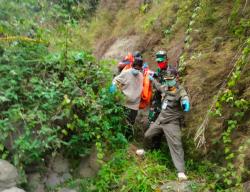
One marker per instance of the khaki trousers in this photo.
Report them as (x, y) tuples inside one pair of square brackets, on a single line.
[(172, 133)]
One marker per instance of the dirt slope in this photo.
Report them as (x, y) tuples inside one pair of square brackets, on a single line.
[(207, 47)]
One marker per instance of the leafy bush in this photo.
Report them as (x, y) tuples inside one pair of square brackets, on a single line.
[(53, 101), (79, 8)]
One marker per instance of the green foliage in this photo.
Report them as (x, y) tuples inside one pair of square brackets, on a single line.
[(77, 9), (128, 172), (231, 174), (54, 101), (46, 20), (53, 98), (206, 13), (144, 7), (125, 172), (188, 38), (243, 28), (149, 22), (239, 23)]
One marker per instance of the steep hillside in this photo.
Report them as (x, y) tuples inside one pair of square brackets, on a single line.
[(57, 114), (209, 41)]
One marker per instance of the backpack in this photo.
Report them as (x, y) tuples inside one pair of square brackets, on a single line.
[(126, 62), (146, 91)]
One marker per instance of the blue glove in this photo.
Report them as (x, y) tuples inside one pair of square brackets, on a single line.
[(145, 65), (185, 105), (151, 78), (112, 88)]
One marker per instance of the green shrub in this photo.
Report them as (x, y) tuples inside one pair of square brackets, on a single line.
[(55, 101)]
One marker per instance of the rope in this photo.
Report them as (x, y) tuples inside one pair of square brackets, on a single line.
[(200, 133), (22, 38)]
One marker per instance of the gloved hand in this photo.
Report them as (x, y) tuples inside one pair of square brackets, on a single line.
[(145, 65), (151, 78), (156, 74), (185, 105), (112, 88)]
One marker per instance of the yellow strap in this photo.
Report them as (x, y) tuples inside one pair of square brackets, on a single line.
[(22, 38)]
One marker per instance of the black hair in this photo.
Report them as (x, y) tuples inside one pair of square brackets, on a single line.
[(137, 54), (138, 62)]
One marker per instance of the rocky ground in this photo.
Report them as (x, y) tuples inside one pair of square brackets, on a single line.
[(8, 177)]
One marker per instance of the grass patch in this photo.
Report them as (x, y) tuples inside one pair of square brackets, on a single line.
[(126, 171)]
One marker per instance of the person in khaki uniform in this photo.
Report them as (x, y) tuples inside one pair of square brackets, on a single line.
[(175, 101)]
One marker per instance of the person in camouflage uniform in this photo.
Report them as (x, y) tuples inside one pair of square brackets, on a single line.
[(175, 101), (155, 107)]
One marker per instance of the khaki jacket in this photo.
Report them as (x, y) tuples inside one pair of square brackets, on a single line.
[(172, 111), (131, 86)]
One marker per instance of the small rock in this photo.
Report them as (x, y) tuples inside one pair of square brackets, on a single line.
[(35, 182), (140, 152), (8, 175), (60, 164), (13, 189), (93, 160), (246, 186), (86, 170), (88, 166), (39, 188), (65, 177), (217, 42), (53, 180)]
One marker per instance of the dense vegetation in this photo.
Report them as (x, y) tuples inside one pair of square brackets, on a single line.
[(52, 101), (54, 96)]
